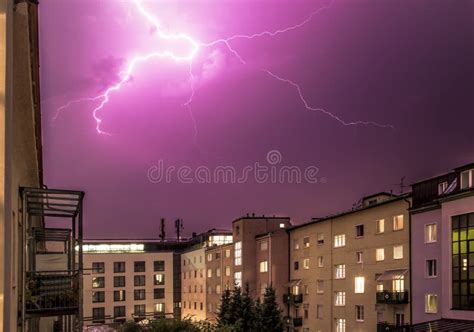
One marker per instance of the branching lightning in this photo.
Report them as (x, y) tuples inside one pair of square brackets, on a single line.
[(194, 48)]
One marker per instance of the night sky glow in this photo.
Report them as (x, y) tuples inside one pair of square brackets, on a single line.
[(222, 83)]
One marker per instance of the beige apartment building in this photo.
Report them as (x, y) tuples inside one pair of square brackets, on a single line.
[(350, 271), (193, 283)]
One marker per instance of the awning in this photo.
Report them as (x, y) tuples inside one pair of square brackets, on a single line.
[(392, 275)]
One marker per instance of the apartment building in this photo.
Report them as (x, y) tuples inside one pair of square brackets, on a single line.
[(350, 271), (443, 245)]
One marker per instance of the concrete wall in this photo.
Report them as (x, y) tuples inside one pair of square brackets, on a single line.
[(193, 284)]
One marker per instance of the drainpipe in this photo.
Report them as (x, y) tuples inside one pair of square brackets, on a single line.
[(409, 259), (289, 277)]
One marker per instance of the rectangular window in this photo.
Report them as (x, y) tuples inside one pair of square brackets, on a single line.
[(398, 222), (218, 272), (119, 295), (359, 230), (467, 179), (359, 284), (98, 315), (340, 325), (306, 263), (119, 267), (306, 312), (442, 187), (296, 265), (209, 257), (139, 294), (159, 266), (227, 253), (398, 252), (431, 303), (431, 268), (139, 280), (98, 267), (227, 271), (159, 279), (139, 310), (209, 273), (158, 293), (398, 284), (119, 311), (119, 281), (218, 255), (296, 244), (98, 282), (320, 261), (139, 266), (380, 226), (340, 299), (319, 286), (379, 254), (340, 271), (359, 313), (359, 257), (238, 279), (98, 297), (380, 287), (264, 266), (339, 240), (238, 253), (319, 311), (263, 246), (159, 308), (430, 233), (306, 242), (463, 262), (320, 238)]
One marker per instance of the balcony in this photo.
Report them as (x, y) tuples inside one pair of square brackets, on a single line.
[(388, 297), (386, 327), (52, 293), (292, 298)]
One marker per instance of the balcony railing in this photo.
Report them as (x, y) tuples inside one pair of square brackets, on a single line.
[(389, 297), (52, 292), (386, 327), (292, 298)]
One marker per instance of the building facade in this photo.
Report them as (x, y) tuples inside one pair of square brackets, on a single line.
[(443, 240), (350, 272)]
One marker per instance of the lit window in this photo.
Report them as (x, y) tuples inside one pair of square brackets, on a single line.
[(295, 290), (467, 179), (218, 272), (398, 284), (227, 253), (306, 263), (238, 253), (359, 283), (430, 233), (340, 299), (119, 295), (379, 254), (296, 245), (431, 268), (380, 287), (319, 286), (209, 257), (339, 240), (98, 282), (306, 242), (359, 257), (264, 266), (159, 279), (359, 313), (159, 307), (431, 303), (320, 261), (263, 246), (238, 279), (340, 271), (282, 225), (227, 271), (398, 222), (442, 187), (359, 230), (380, 226), (340, 325), (218, 289), (398, 252), (320, 238), (209, 273)]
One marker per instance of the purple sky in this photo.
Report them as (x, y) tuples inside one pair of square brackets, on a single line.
[(404, 63)]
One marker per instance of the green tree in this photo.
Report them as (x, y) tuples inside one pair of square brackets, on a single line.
[(224, 314), (271, 314), (236, 307), (246, 320), (257, 325)]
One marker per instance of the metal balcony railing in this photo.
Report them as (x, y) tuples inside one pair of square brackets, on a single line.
[(389, 297), (386, 327), (52, 292), (292, 298)]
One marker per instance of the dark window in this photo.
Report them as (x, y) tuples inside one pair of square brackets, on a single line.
[(98, 297), (158, 266), (139, 310), (98, 315), (463, 261), (98, 267), (98, 282), (139, 266), (119, 311), (359, 230), (119, 295), (119, 267), (431, 268), (159, 293), (296, 265), (218, 255), (139, 280), (139, 294), (119, 281)]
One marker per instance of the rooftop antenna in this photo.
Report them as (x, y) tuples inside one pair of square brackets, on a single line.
[(162, 229), (178, 224), (402, 184)]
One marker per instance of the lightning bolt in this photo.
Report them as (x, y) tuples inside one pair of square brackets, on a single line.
[(188, 57)]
